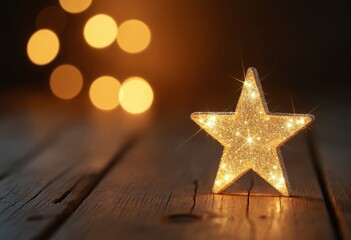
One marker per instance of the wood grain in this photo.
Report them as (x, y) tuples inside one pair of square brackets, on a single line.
[(332, 144), (37, 198), (161, 189)]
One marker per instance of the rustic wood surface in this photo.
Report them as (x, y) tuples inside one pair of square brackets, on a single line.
[(103, 176), (332, 144)]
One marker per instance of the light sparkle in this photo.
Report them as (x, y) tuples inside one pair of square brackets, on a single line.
[(232, 130)]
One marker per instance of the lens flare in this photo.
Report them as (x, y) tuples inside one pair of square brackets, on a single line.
[(100, 31), (66, 81), (75, 6), (133, 36), (136, 95), (104, 93), (43, 46)]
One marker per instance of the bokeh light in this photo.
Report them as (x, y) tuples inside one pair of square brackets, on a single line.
[(100, 31), (133, 36), (66, 81), (104, 93), (43, 46), (53, 18), (136, 95), (75, 6)]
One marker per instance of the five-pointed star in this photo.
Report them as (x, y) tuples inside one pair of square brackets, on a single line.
[(251, 137)]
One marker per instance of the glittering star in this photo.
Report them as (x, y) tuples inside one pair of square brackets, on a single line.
[(251, 137)]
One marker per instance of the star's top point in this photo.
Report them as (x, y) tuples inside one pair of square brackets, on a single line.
[(252, 99)]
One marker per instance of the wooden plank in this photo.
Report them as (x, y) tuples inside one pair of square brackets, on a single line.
[(24, 135), (332, 144), (38, 197), (163, 191)]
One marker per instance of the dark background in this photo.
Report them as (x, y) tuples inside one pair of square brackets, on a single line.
[(302, 47)]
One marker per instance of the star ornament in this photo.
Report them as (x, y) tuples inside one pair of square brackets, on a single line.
[(251, 137)]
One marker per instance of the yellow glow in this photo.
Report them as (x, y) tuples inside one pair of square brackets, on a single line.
[(66, 81), (133, 36), (237, 130), (100, 31), (300, 121), (43, 46), (136, 95), (104, 93), (75, 6)]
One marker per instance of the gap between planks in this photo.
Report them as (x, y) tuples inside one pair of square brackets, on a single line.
[(48, 232), (331, 145), (323, 182)]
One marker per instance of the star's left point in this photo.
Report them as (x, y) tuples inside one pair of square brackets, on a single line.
[(209, 121)]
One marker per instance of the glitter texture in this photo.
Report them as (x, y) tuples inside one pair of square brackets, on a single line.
[(251, 137)]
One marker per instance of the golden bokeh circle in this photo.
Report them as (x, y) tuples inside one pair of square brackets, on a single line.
[(104, 93), (43, 46), (75, 6), (133, 36), (136, 95), (66, 81), (100, 31)]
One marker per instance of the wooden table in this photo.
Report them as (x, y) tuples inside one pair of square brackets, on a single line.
[(91, 175)]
